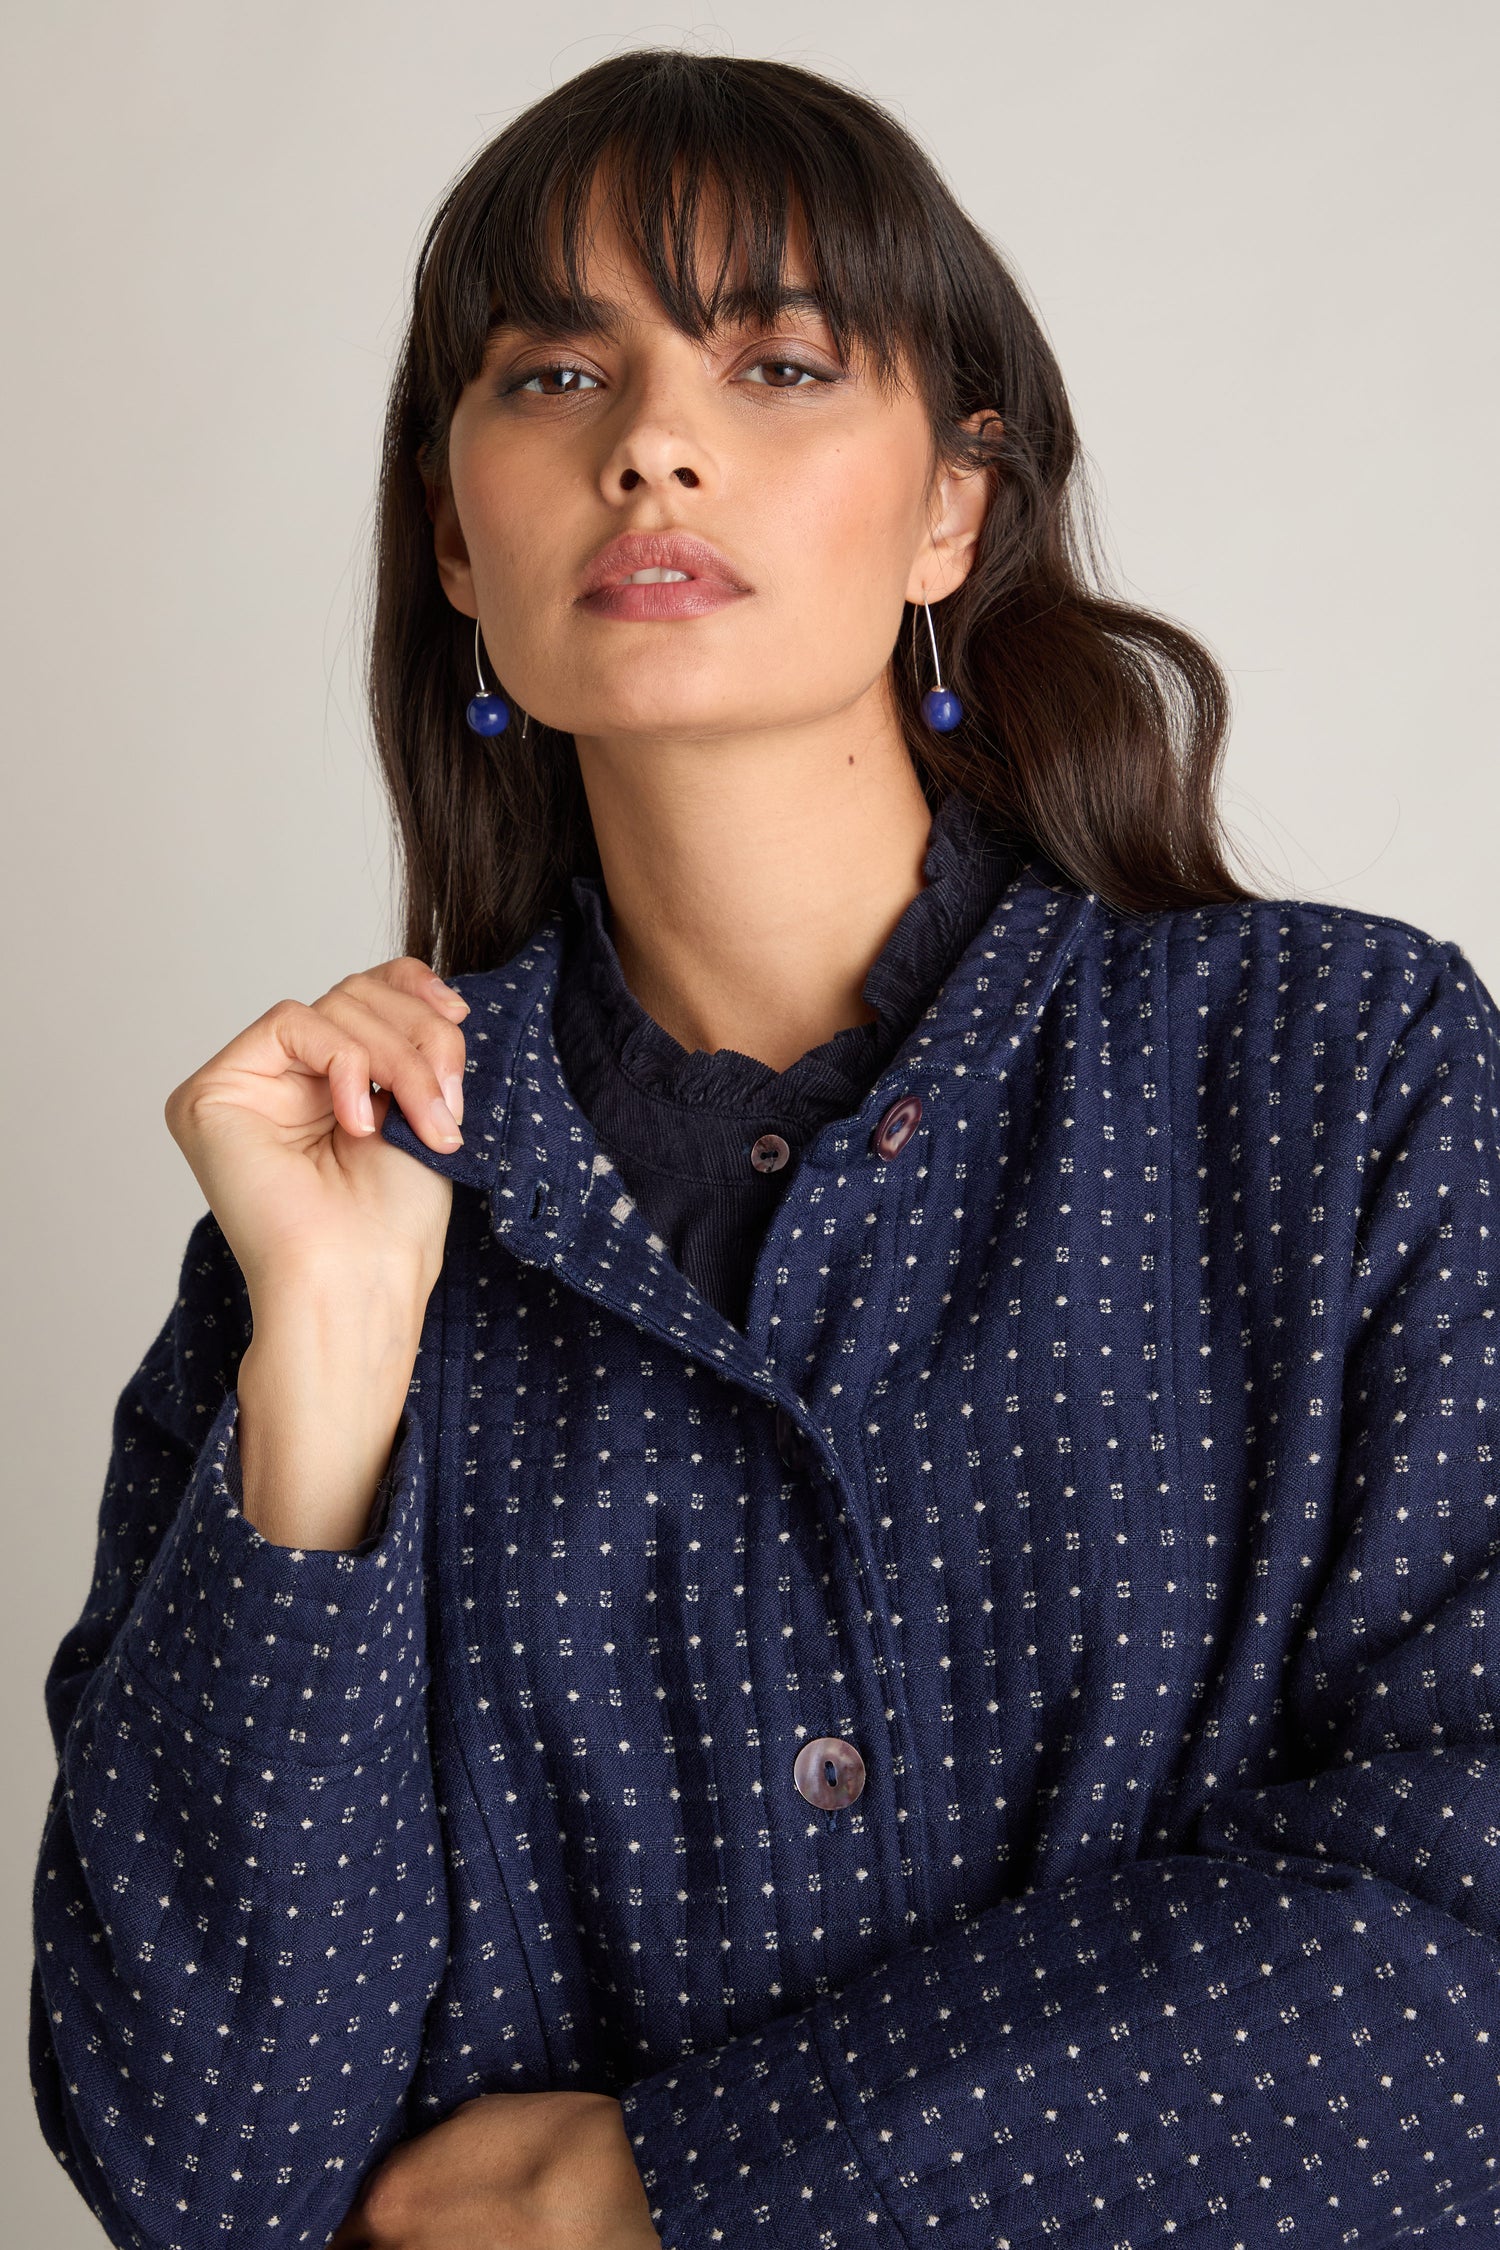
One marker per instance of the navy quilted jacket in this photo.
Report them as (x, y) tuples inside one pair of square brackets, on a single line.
[(1104, 1461)]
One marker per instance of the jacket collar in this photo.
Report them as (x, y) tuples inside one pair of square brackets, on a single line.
[(530, 1150)]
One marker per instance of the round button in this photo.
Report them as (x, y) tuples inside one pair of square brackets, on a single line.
[(769, 1153), (897, 1126), (829, 1772)]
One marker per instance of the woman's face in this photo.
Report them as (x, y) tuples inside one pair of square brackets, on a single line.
[(815, 487)]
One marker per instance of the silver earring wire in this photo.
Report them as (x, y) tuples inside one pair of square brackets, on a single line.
[(932, 636), (479, 668)]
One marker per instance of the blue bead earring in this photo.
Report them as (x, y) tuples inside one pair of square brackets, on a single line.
[(487, 713), (940, 706)]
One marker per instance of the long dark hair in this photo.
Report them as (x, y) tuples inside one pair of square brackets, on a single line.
[(1093, 729)]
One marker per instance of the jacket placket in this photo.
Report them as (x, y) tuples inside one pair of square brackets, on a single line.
[(555, 1201)]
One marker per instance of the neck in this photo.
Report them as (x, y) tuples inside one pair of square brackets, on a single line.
[(751, 886)]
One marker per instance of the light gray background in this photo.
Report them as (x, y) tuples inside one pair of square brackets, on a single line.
[(1261, 239)]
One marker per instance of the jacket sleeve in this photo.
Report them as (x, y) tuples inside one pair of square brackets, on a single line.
[(1291, 2031), (239, 1908)]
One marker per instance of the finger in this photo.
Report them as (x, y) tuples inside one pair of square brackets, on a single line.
[(409, 1049), (294, 1037), (438, 1030), (406, 993), (354, 2228), (361, 1002), (406, 973)]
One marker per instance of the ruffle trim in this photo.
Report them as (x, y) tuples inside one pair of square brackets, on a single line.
[(964, 862)]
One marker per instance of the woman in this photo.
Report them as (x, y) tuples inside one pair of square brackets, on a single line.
[(846, 1585)]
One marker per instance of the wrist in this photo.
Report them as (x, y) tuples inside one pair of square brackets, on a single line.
[(371, 1322), (321, 1394)]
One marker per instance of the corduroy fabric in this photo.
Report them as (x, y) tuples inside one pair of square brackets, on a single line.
[(1144, 1550)]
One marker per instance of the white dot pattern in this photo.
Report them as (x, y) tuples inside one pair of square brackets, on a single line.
[(1141, 1544)]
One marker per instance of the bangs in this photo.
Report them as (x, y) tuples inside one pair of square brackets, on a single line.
[(760, 164)]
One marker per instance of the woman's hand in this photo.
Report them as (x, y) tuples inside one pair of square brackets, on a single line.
[(283, 1136), (542, 2171), (339, 1235)]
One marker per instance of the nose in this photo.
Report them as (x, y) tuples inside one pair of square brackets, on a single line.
[(655, 439), (631, 477)]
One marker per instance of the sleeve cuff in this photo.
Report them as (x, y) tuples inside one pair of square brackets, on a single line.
[(312, 1652), (750, 2134)]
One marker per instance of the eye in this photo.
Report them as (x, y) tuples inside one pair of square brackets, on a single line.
[(795, 367), (806, 376), (531, 375)]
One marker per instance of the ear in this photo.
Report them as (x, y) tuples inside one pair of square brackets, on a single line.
[(960, 503), (451, 549)]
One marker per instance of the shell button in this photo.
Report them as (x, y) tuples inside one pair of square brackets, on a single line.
[(897, 1126), (829, 1772), (769, 1152)]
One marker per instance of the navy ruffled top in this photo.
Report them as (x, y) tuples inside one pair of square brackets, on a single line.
[(679, 1124)]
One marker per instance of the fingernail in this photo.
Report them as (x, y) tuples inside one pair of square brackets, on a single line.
[(443, 1119), (367, 1112), (453, 1087)]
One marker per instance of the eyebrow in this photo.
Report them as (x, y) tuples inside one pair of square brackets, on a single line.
[(604, 316)]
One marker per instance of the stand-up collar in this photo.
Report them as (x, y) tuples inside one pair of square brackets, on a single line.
[(613, 1049), (529, 1147)]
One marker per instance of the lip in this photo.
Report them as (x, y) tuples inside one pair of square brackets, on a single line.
[(711, 581), (686, 597)]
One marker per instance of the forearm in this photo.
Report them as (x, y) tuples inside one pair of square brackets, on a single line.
[(322, 1386)]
